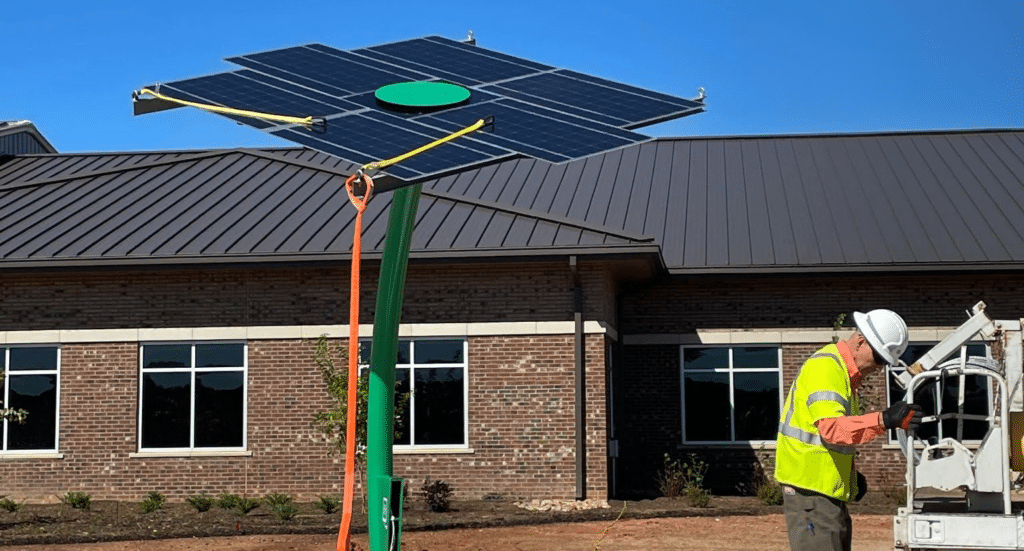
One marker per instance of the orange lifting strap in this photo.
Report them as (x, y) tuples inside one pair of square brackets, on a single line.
[(344, 532)]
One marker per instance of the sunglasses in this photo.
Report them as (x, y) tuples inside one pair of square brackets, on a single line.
[(878, 358)]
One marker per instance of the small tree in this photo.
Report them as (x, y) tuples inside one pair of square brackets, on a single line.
[(332, 422), (8, 414)]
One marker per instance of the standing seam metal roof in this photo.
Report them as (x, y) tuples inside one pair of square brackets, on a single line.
[(925, 200), (242, 205)]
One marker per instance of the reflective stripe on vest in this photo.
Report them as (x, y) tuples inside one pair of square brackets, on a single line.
[(803, 457)]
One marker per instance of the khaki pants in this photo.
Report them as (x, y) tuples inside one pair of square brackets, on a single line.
[(815, 522)]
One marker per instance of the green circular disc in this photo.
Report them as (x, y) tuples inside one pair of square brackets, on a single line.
[(421, 96)]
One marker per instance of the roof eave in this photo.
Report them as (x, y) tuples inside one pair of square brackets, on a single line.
[(319, 258)]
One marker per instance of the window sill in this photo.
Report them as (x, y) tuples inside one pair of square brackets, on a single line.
[(10, 456), (431, 451), (971, 445), (189, 453), (719, 445)]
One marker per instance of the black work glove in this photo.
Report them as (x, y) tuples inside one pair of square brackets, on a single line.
[(862, 486), (903, 415)]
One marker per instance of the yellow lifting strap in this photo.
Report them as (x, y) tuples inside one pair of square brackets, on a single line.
[(307, 121), (377, 165), (310, 121)]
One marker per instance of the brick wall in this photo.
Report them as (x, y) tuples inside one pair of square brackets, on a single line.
[(520, 428), (522, 424), (648, 410), (650, 426), (533, 291), (683, 305)]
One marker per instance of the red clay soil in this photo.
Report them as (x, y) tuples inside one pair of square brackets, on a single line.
[(761, 533)]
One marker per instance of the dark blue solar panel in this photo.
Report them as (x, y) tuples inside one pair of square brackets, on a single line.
[(443, 57), (388, 61), (375, 136), (291, 77), (547, 113), (169, 90), (234, 90), (331, 147), (681, 102), (477, 50), (561, 89), (340, 70), (369, 100), (338, 103), (549, 138), (558, 106)]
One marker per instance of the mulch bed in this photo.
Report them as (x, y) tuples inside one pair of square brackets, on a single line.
[(119, 521)]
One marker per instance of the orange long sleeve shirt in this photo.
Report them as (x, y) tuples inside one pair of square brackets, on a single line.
[(851, 429)]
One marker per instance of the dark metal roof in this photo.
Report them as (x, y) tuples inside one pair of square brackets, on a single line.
[(21, 138), (925, 200), (243, 206), (921, 201)]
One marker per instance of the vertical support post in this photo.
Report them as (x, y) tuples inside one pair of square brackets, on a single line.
[(580, 387), (380, 417)]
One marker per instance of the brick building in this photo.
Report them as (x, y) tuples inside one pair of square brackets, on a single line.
[(158, 308)]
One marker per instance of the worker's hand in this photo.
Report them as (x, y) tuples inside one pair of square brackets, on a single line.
[(903, 415), (862, 486)]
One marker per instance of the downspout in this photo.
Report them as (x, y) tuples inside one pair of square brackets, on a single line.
[(579, 354)]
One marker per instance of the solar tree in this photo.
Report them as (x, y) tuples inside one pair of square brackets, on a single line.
[(427, 107)]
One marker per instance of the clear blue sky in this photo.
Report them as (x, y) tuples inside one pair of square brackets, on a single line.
[(769, 67)]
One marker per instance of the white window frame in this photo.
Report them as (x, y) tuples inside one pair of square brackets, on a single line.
[(7, 373), (889, 369), (732, 391), (192, 370), (410, 407)]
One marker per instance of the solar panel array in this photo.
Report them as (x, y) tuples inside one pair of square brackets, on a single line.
[(538, 110)]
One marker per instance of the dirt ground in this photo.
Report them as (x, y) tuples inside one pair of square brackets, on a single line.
[(739, 533), (730, 522)]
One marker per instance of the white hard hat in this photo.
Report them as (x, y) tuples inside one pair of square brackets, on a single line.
[(885, 331)]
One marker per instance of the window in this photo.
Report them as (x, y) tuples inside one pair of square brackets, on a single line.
[(731, 394), (976, 391), (30, 382), (193, 396), (432, 373)]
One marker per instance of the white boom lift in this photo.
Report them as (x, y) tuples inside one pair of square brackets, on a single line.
[(959, 498)]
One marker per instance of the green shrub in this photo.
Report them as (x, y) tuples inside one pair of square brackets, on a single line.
[(328, 504), (76, 500), (246, 505), (681, 478), (438, 495), (672, 478), (228, 501), (275, 499), (153, 501), (697, 496), (9, 505), (201, 503), (769, 492), (285, 511)]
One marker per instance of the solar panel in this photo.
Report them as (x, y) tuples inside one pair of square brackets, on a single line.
[(541, 111)]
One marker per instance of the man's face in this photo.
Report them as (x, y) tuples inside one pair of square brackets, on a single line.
[(868, 361)]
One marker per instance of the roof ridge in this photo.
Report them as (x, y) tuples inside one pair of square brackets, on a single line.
[(848, 134), (614, 232), (118, 169)]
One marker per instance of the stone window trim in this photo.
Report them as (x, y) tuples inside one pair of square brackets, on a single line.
[(412, 365), (730, 370), (6, 374), (192, 370)]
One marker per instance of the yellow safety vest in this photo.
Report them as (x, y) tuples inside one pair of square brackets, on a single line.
[(802, 458)]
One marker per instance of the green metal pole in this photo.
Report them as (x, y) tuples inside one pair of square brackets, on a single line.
[(380, 417)]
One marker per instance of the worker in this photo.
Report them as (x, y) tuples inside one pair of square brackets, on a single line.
[(820, 424)]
